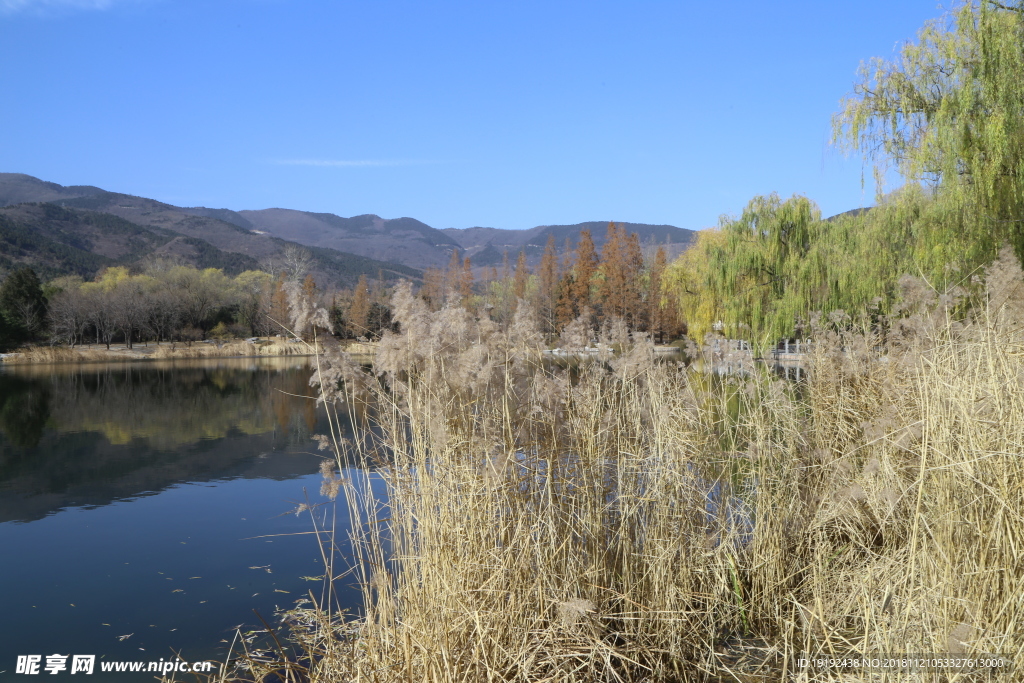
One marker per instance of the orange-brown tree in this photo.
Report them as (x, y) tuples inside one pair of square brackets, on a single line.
[(574, 288), (359, 309), (278, 313), (453, 274), (619, 276), (466, 281), (655, 312), (432, 290), (521, 277), (547, 286)]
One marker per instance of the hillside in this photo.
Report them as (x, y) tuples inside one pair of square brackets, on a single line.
[(400, 240), (80, 230), (409, 241), (18, 188), (343, 248), (486, 246)]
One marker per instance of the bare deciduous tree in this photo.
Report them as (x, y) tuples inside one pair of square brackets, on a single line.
[(129, 304), (69, 316)]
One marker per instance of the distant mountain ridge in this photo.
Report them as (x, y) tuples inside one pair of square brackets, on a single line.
[(488, 246), (366, 244), (80, 229), (19, 188), (400, 240), (416, 244)]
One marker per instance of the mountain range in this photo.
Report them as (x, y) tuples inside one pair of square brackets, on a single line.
[(81, 229)]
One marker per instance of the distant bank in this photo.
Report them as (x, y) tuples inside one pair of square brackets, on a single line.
[(264, 346)]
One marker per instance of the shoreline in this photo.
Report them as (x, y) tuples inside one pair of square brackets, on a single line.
[(98, 353), (272, 347)]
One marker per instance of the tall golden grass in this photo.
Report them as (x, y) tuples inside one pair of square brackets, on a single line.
[(56, 354), (165, 351), (276, 347), (634, 521)]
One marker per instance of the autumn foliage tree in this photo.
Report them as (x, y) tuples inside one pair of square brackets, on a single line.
[(661, 315), (547, 286), (359, 309), (440, 286), (521, 278), (466, 281), (619, 291), (433, 287), (453, 276), (278, 312), (612, 284), (575, 285)]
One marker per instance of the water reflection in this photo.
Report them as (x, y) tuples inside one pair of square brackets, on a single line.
[(87, 435), (24, 410), (152, 500)]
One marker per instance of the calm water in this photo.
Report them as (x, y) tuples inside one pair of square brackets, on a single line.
[(153, 500)]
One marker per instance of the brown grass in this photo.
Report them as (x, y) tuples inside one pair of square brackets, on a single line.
[(637, 522), (275, 347), (56, 354), (78, 354)]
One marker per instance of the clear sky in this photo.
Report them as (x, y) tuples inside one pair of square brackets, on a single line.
[(496, 113)]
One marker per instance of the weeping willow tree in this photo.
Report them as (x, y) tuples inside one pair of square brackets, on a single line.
[(949, 111), (948, 114), (762, 275), (739, 274)]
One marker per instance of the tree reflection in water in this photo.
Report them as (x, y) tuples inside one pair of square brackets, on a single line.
[(89, 434)]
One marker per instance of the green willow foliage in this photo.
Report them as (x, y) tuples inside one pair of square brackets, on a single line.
[(948, 114), (950, 110), (763, 274)]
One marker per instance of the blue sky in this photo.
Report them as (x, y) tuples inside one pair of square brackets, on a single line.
[(493, 113)]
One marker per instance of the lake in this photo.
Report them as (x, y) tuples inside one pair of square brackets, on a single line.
[(147, 509)]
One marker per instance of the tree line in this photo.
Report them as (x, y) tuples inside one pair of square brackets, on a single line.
[(948, 115), (617, 283), (181, 303), (176, 304)]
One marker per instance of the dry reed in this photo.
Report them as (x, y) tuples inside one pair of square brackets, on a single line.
[(637, 522), (165, 351)]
